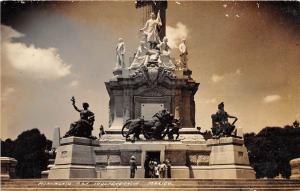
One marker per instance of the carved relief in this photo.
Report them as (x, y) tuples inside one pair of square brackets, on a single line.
[(152, 75), (198, 159)]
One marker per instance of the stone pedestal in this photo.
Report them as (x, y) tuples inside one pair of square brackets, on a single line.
[(8, 167), (295, 167), (229, 159), (75, 158), (148, 89)]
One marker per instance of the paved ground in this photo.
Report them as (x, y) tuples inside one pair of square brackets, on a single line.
[(148, 184)]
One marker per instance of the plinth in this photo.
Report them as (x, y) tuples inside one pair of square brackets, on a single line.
[(229, 159), (295, 167), (75, 158), (8, 167)]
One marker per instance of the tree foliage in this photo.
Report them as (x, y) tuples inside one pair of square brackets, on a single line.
[(271, 150), (29, 150)]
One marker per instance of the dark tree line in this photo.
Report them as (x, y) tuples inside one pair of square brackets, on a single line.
[(271, 150), (29, 150)]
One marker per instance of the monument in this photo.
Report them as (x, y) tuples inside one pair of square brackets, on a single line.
[(75, 155), (153, 96)]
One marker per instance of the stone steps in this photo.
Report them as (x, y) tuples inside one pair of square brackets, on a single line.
[(149, 184)]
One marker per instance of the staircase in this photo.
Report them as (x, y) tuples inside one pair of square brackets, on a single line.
[(148, 184)]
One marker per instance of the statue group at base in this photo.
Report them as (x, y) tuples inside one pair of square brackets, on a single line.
[(152, 49), (162, 124), (84, 126)]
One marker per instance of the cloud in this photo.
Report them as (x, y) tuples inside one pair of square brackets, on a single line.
[(271, 98), (37, 62), (217, 78), (176, 34), (7, 92), (238, 72), (210, 101), (229, 76), (74, 83)]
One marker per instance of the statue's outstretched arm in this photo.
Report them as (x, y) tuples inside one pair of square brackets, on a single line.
[(145, 27), (158, 19), (233, 117), (75, 107), (73, 103)]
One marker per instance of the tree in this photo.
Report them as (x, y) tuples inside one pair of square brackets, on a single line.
[(7, 148), (29, 150), (271, 150)]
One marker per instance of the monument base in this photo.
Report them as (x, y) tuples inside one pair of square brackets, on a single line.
[(229, 159), (75, 158)]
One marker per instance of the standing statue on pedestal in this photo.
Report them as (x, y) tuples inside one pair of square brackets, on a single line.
[(151, 30), (183, 53), (220, 123), (120, 53), (165, 58), (83, 127)]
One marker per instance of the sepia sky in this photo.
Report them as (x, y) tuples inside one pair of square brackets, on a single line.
[(246, 54)]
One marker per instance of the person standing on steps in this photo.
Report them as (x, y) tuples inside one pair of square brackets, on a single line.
[(133, 166), (168, 163), (146, 167)]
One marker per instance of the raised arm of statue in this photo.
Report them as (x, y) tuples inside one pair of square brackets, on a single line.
[(73, 103), (158, 19)]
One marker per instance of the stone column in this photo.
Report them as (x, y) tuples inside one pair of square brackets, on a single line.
[(178, 105), (127, 105), (186, 110)]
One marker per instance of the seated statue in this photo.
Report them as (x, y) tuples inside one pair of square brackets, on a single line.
[(220, 123), (165, 58), (84, 126), (140, 57), (143, 56)]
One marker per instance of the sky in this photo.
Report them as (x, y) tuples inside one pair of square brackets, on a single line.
[(246, 54)]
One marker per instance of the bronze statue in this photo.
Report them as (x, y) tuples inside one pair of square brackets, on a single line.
[(157, 128), (84, 126), (173, 128), (220, 124)]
